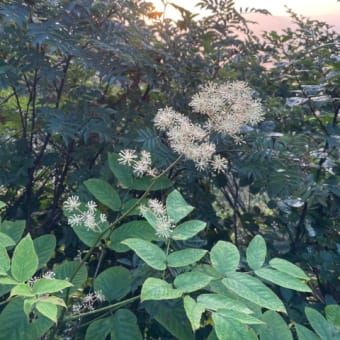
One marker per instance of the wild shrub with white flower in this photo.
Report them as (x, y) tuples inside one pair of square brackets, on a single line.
[(88, 302), (86, 215)]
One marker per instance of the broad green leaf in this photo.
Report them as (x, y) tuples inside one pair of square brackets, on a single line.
[(304, 333), (191, 281), (224, 257), (104, 193), (89, 236), (157, 289), (67, 269), (176, 206), (288, 268), (8, 281), (22, 289), (49, 286), (99, 329), (134, 229), (14, 229), (2, 204), (53, 299), (4, 260), (321, 326), (256, 252), (15, 325), (144, 183), (123, 173), (45, 248), (114, 283), (125, 326), (185, 257), (227, 329), (252, 289), (28, 305), (193, 311), (275, 327), (240, 317), (187, 230), (25, 260), (219, 301), (6, 241), (171, 315), (148, 252), (47, 309), (333, 314), (282, 279)]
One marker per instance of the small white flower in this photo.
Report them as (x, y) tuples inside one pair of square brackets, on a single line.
[(127, 157), (89, 220), (102, 218), (100, 296), (72, 203), (75, 220), (91, 206), (219, 164), (157, 207), (49, 275)]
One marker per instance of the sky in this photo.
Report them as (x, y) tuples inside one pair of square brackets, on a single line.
[(325, 10), (276, 7)]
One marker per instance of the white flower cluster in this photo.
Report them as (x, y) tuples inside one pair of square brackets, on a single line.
[(163, 224), (228, 107), (87, 302), (89, 217), (47, 275), (141, 165)]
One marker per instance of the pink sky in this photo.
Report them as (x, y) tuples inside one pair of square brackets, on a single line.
[(325, 10)]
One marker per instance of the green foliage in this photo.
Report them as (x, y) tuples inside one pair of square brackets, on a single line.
[(82, 80)]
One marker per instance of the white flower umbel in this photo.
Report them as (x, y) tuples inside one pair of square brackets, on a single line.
[(86, 215), (127, 157), (163, 225), (227, 108)]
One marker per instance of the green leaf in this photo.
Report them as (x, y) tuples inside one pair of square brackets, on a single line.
[(304, 333), (53, 299), (157, 289), (28, 305), (104, 193), (144, 183), (176, 206), (5, 262), (47, 309), (219, 301), (187, 230), (282, 279), (135, 229), (6, 241), (22, 289), (2, 204), (8, 281), (14, 229), (256, 252), (240, 317), (193, 311), (321, 326), (224, 257), (45, 248), (185, 257), (49, 286), (67, 269), (99, 329), (226, 329), (123, 173), (191, 281), (171, 315), (148, 252), (333, 314), (25, 260), (114, 283), (125, 326), (274, 326), (288, 268), (15, 325), (254, 290), (89, 236)]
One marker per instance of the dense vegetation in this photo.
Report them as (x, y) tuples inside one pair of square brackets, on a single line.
[(237, 242)]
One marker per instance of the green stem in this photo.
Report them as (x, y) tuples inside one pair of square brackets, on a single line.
[(103, 309)]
